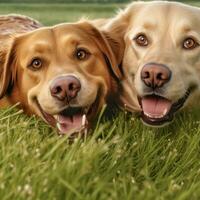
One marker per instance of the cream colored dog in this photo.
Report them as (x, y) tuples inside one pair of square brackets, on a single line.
[(161, 60)]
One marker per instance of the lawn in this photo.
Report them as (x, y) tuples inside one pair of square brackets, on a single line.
[(50, 14), (120, 160)]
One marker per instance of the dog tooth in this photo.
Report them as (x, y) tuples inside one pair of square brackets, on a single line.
[(83, 120), (147, 115), (86, 110), (56, 117), (58, 126), (156, 117), (85, 131), (165, 111)]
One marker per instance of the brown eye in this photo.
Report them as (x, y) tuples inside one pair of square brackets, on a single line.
[(81, 54), (189, 44), (141, 40), (36, 64)]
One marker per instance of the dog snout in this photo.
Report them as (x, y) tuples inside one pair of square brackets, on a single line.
[(155, 75), (65, 87)]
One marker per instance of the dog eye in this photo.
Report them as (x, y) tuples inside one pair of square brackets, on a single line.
[(36, 64), (141, 40), (189, 44), (81, 54)]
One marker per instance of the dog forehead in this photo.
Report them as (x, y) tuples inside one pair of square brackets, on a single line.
[(40, 34), (159, 16), (62, 30), (47, 39), (38, 39), (73, 34)]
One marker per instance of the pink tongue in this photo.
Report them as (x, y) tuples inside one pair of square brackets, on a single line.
[(69, 125), (155, 107)]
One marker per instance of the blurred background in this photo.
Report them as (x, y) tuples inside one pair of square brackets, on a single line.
[(51, 12), (76, 1)]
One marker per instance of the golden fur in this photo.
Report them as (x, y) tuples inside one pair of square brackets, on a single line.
[(56, 48)]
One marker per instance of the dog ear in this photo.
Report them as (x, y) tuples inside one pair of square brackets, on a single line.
[(107, 45), (8, 69), (128, 98), (117, 45), (115, 31), (118, 27)]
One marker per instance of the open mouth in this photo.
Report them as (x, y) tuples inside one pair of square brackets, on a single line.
[(71, 120), (157, 110)]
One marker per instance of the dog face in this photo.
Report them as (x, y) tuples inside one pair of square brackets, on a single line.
[(61, 74), (162, 57)]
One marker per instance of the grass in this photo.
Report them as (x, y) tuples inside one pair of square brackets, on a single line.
[(50, 14), (121, 160)]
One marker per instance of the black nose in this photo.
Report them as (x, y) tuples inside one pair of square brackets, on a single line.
[(155, 75), (65, 87)]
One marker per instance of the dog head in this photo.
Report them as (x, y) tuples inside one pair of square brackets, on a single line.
[(61, 73), (162, 57)]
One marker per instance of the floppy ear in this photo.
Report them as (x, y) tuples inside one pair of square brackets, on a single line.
[(118, 27), (128, 98), (117, 45), (113, 31), (106, 44), (8, 69)]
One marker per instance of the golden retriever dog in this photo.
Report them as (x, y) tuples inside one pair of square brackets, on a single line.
[(64, 74), (161, 58)]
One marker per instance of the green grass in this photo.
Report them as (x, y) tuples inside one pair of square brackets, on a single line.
[(120, 160), (50, 14)]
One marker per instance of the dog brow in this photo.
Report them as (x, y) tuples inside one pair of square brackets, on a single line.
[(186, 28), (149, 25), (41, 47)]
